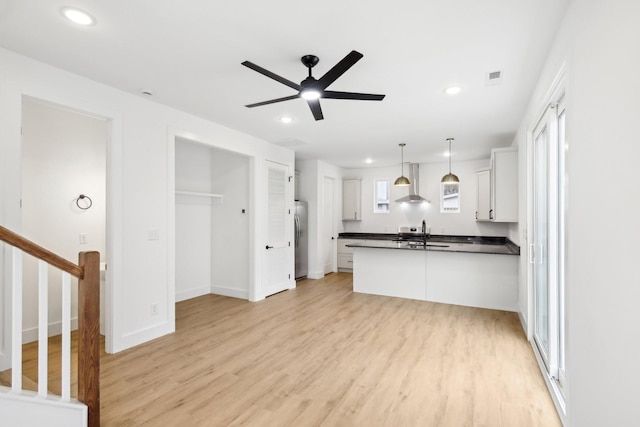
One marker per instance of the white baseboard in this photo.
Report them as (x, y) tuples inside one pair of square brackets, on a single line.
[(211, 289), (143, 335), (525, 327), (55, 328), (192, 293), (315, 275), (230, 292)]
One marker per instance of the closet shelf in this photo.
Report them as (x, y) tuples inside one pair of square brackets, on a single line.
[(194, 193)]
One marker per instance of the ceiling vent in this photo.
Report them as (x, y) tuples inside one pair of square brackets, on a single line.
[(494, 78)]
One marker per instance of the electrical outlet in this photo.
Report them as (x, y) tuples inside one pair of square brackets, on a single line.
[(153, 235), (154, 308), (82, 237)]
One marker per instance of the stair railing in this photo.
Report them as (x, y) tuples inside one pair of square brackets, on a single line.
[(87, 271)]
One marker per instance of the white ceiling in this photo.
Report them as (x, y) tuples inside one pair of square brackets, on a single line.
[(189, 55)]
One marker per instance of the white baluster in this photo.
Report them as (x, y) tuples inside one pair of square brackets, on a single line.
[(66, 337), (16, 321), (43, 327)]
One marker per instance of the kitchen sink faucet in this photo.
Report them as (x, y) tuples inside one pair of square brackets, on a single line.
[(424, 231)]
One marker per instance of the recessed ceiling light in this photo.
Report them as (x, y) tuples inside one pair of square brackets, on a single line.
[(368, 160), (453, 90), (446, 154), (77, 16), (286, 119)]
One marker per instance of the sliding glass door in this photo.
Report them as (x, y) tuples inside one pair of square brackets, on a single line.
[(539, 249), (547, 246)]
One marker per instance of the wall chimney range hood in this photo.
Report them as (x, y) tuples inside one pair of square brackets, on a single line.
[(414, 187)]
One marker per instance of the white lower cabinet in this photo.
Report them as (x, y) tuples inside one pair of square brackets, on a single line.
[(345, 254), (345, 262)]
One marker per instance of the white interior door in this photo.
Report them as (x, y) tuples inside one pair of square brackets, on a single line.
[(277, 246), (328, 226)]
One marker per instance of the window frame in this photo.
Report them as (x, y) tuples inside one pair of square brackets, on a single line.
[(378, 202)]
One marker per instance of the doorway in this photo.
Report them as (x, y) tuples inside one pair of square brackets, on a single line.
[(212, 224), (328, 225), (64, 198)]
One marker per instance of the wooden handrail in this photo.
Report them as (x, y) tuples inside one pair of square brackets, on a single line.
[(39, 252), (88, 273)]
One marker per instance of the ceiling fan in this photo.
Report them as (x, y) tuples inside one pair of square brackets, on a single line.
[(311, 89)]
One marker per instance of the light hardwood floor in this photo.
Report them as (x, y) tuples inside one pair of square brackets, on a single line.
[(321, 355)]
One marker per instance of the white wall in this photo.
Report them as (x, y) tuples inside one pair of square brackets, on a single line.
[(139, 189), (408, 214), (603, 288), (230, 227), (63, 156), (599, 42), (193, 220)]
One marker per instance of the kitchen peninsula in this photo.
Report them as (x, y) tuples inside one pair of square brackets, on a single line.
[(470, 271)]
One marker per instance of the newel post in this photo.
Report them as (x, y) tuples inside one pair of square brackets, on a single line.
[(89, 335)]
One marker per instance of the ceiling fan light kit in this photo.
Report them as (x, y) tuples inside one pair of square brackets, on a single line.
[(312, 89)]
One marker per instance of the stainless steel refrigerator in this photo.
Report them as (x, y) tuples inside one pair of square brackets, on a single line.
[(301, 239)]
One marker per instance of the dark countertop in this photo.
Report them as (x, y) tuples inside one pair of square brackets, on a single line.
[(441, 243)]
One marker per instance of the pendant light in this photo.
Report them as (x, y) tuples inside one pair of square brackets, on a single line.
[(402, 180), (450, 178)]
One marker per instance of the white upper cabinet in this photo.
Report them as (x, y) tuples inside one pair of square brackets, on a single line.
[(504, 185), (497, 187), (352, 199), (483, 191)]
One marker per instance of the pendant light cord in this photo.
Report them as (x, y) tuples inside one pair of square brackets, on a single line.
[(449, 139)]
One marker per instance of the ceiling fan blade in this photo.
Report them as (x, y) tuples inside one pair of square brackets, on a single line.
[(339, 69), (314, 104), (330, 94), (271, 75), (273, 101)]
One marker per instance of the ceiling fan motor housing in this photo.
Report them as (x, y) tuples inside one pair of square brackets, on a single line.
[(310, 61)]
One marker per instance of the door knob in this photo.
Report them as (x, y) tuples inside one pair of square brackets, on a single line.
[(269, 247)]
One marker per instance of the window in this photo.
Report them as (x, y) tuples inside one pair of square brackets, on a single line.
[(450, 198), (381, 196)]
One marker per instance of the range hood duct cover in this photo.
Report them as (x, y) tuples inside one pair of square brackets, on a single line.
[(414, 187)]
